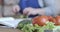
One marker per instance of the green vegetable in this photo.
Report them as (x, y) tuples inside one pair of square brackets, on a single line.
[(39, 28), (23, 16), (23, 23), (26, 22), (49, 25), (26, 26)]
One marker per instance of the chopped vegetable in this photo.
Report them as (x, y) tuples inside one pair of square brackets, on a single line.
[(49, 25), (27, 27), (39, 24)]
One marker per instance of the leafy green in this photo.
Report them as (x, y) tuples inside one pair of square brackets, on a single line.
[(49, 25), (23, 23), (39, 28), (26, 26)]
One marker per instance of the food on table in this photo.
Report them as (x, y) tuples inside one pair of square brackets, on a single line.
[(54, 21), (27, 27), (40, 20), (50, 18), (39, 24), (57, 20)]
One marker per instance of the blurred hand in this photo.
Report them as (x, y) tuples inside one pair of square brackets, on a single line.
[(16, 8), (30, 11)]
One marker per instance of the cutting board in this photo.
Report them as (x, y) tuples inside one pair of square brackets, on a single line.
[(8, 30)]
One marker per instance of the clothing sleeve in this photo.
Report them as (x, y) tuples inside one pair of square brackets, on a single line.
[(22, 4), (49, 7)]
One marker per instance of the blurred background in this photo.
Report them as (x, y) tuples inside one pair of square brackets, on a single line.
[(6, 7)]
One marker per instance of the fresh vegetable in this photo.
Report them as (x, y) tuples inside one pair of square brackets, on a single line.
[(53, 20), (50, 18), (23, 23), (39, 24), (30, 28), (40, 20), (49, 25), (34, 20), (57, 20)]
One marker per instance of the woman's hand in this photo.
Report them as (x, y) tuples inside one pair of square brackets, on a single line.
[(30, 11), (16, 8), (33, 11)]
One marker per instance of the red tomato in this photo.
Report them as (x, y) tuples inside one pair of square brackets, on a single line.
[(50, 18), (34, 20), (57, 20), (40, 20), (53, 20)]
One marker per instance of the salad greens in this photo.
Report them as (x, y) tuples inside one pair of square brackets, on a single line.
[(23, 23), (49, 25), (26, 26)]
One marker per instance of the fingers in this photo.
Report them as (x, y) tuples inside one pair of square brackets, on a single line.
[(32, 13), (16, 8), (25, 11), (29, 11)]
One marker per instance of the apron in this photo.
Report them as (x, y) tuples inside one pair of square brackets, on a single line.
[(29, 3)]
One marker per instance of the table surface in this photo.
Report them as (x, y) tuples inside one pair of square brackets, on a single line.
[(8, 30)]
